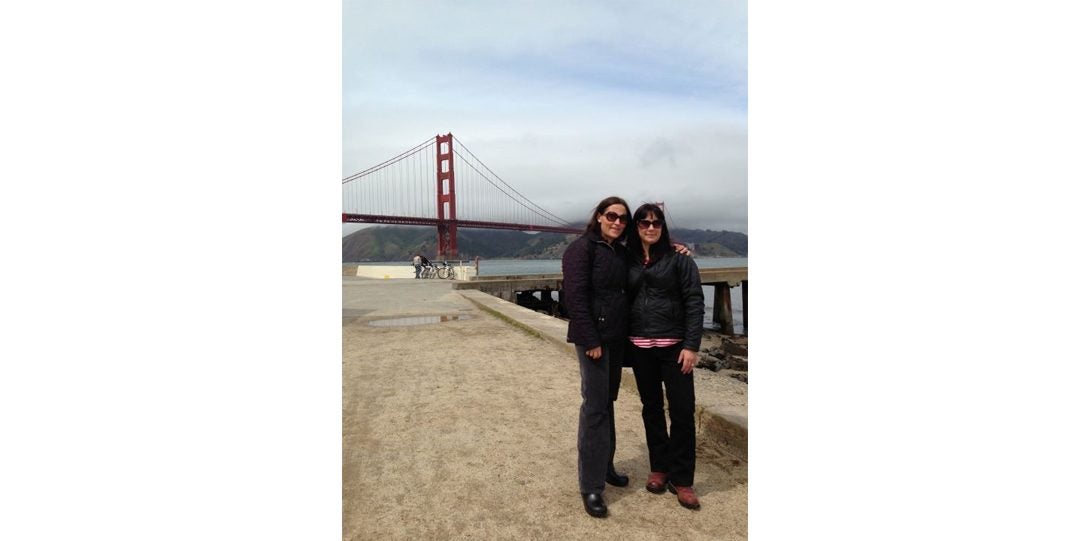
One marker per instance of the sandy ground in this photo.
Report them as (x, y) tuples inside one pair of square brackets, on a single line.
[(465, 429)]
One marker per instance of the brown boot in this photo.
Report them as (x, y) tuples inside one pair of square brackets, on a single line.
[(685, 496), (656, 482)]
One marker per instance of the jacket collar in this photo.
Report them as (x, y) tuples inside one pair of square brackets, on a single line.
[(656, 259), (596, 236)]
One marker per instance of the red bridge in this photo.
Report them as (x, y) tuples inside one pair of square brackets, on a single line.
[(417, 187)]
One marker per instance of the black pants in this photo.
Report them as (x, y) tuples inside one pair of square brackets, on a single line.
[(601, 380), (675, 452)]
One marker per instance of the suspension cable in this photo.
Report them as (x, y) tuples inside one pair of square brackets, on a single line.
[(387, 162), (554, 218), (550, 218)]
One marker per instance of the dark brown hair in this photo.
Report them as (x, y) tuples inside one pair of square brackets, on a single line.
[(592, 225), (657, 249)]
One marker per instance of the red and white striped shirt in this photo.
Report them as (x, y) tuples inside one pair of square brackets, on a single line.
[(642, 342)]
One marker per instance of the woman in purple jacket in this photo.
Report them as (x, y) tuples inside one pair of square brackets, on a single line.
[(595, 269)]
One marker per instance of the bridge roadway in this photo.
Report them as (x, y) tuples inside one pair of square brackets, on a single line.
[(459, 421)]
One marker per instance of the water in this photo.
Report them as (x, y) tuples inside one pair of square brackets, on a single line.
[(420, 320), (507, 267)]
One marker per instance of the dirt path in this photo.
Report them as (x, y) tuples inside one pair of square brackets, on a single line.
[(465, 429)]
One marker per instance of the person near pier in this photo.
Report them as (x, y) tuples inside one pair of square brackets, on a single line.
[(666, 321), (595, 267), (420, 261)]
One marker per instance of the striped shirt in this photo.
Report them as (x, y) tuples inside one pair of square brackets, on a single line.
[(642, 342)]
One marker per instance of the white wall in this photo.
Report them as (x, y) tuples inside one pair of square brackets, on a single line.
[(406, 271)]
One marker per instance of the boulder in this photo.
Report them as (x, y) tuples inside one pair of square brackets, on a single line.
[(735, 362), (734, 349), (708, 362)]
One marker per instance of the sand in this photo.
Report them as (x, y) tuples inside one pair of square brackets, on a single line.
[(465, 429)]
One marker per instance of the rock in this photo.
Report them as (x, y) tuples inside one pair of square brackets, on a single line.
[(734, 349), (720, 352), (737, 363), (708, 362)]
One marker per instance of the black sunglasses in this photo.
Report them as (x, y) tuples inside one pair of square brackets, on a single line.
[(613, 217), (649, 224)]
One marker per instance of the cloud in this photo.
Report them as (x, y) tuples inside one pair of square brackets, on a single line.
[(660, 150), (568, 102)]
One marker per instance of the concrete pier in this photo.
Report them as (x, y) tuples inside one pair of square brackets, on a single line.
[(459, 421), (508, 288)]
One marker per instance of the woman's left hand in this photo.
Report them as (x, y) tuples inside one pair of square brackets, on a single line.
[(687, 359), (682, 249)]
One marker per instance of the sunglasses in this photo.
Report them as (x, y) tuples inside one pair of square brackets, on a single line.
[(613, 217), (649, 224)]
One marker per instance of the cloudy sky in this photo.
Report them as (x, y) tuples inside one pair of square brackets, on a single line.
[(568, 102)]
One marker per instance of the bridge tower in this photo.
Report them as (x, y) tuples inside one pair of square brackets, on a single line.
[(447, 247)]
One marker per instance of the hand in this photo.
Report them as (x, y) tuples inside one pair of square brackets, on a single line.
[(594, 353), (681, 249), (687, 359)]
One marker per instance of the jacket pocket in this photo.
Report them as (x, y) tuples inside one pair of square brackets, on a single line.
[(601, 319)]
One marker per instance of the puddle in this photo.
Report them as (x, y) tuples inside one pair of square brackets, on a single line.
[(419, 320)]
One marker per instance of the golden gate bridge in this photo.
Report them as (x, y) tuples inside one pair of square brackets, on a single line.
[(417, 187)]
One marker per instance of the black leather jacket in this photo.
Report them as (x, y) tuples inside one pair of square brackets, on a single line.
[(667, 300), (594, 281)]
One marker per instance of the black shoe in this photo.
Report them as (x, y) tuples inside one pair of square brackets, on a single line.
[(595, 505), (616, 479)]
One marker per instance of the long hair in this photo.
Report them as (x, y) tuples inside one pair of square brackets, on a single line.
[(592, 225), (635, 244)]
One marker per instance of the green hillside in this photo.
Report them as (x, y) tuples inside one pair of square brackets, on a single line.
[(400, 243)]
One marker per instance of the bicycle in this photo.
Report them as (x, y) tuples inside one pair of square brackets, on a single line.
[(446, 271)]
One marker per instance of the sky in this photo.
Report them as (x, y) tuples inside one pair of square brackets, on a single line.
[(568, 102)]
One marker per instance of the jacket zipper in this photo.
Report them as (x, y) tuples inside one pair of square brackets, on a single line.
[(610, 246)]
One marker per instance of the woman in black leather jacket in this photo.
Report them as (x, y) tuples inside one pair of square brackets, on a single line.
[(595, 268), (666, 322)]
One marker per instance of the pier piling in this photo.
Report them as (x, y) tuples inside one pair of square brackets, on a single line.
[(722, 312)]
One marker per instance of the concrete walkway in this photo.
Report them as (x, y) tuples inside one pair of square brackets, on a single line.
[(460, 423)]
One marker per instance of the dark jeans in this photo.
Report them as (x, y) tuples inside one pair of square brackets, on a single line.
[(675, 452), (601, 379)]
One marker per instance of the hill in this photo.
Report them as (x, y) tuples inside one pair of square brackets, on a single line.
[(399, 243)]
